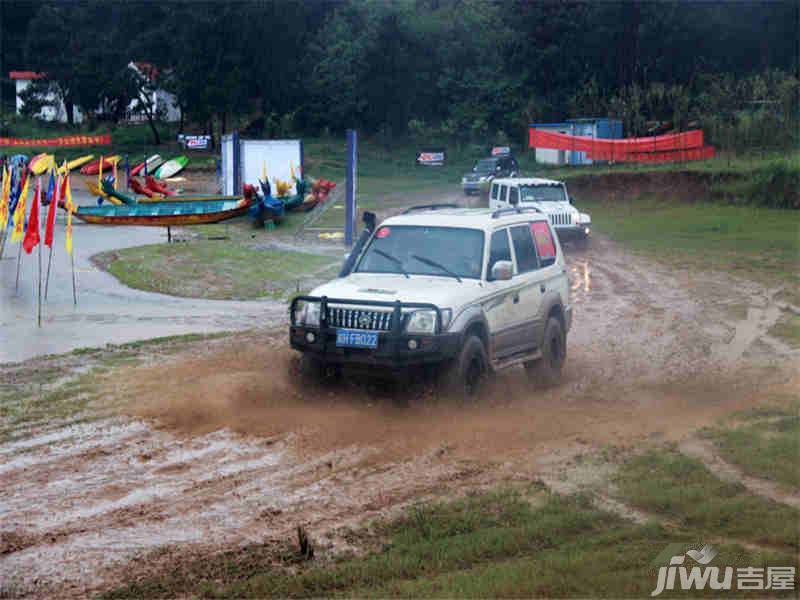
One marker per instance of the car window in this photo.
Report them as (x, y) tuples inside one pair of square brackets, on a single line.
[(499, 248), (524, 249), (503, 190), (545, 246), (513, 195), (494, 191)]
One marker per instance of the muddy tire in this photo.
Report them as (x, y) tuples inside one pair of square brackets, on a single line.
[(546, 371), (466, 373), (311, 370)]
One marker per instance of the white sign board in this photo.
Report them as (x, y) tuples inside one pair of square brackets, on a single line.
[(277, 156)]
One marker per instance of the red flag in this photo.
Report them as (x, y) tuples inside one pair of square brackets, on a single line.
[(32, 232), (51, 219)]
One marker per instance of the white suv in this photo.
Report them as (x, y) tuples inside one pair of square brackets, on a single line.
[(468, 290), (547, 195)]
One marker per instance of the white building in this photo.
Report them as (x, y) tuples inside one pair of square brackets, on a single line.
[(165, 103), (53, 111)]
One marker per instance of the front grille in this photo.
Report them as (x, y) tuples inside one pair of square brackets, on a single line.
[(560, 218), (357, 318)]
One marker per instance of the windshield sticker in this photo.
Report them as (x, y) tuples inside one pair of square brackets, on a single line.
[(383, 232)]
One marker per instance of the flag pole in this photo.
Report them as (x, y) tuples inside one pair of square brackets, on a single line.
[(47, 278), (19, 260), (3, 243), (40, 286), (74, 290)]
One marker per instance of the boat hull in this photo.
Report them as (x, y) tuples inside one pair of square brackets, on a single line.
[(127, 215)]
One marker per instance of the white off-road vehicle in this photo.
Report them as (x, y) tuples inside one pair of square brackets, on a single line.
[(546, 195), (469, 291)]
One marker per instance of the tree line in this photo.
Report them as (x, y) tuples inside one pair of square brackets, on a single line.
[(430, 69)]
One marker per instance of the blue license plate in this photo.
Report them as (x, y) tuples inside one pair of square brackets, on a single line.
[(355, 338)]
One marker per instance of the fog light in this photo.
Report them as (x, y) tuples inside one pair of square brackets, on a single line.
[(412, 344), (310, 337), (587, 231)]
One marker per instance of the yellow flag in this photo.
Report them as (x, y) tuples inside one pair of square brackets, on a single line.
[(19, 213), (100, 174), (4, 199), (69, 206)]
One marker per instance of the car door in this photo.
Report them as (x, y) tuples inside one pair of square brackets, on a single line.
[(498, 305), (526, 293)]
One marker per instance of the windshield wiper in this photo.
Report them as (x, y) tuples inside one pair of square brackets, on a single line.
[(393, 259), (436, 265)]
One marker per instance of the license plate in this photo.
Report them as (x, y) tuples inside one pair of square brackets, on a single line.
[(355, 338)]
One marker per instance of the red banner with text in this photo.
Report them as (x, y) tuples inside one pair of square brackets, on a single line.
[(69, 140), (688, 145)]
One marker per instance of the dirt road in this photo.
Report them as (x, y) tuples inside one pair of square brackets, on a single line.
[(219, 447)]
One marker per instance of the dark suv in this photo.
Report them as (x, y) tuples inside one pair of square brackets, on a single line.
[(485, 170)]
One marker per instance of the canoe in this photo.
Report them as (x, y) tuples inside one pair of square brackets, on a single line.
[(139, 188), (152, 163), (41, 163), (94, 167), (163, 214), (157, 186), (172, 167), (187, 198), (95, 190), (75, 163)]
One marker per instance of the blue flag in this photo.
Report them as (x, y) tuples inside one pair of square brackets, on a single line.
[(51, 187)]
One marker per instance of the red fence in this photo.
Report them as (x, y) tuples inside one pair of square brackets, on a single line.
[(69, 140), (688, 145)]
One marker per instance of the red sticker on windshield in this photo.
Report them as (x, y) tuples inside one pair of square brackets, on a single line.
[(383, 232)]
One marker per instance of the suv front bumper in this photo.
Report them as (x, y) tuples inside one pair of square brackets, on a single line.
[(396, 348), (571, 232)]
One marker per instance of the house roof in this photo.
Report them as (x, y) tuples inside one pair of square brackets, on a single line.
[(147, 69), (26, 75)]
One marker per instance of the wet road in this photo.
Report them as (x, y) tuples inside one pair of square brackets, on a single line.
[(107, 311)]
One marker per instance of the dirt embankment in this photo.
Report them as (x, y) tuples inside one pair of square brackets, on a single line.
[(220, 448), (687, 186)]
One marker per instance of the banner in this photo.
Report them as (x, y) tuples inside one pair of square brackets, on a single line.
[(688, 145), (69, 140), (195, 142), (431, 158)]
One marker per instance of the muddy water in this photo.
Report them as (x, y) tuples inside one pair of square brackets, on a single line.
[(223, 448)]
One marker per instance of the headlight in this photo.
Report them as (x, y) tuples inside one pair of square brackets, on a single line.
[(482, 178), (306, 313), (424, 321), (463, 180)]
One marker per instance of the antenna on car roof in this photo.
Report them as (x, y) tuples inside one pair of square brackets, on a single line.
[(429, 207)]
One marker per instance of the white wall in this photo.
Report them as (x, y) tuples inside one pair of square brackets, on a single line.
[(50, 112)]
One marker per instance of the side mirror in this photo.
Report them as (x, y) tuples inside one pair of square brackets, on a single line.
[(571, 199), (502, 270)]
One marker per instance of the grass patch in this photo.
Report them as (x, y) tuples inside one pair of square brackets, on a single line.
[(755, 242), (768, 448), (497, 544), (683, 490), (219, 270), (787, 329)]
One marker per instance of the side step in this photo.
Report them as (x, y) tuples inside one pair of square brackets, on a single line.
[(516, 359)]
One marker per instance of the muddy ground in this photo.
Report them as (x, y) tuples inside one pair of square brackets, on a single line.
[(218, 447)]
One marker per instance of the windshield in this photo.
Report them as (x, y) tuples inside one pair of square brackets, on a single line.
[(486, 165), (459, 251), (542, 193)]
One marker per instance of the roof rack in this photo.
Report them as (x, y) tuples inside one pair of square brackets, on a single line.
[(429, 207), (514, 210)]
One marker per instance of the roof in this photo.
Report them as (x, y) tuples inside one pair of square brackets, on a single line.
[(26, 75), (471, 218), (527, 181), (149, 70)]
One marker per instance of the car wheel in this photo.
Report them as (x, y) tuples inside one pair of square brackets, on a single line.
[(465, 375), (547, 370), (311, 370)]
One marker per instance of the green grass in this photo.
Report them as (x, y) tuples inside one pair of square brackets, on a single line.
[(214, 269), (754, 242), (769, 449), (787, 329), (498, 544), (683, 490)]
